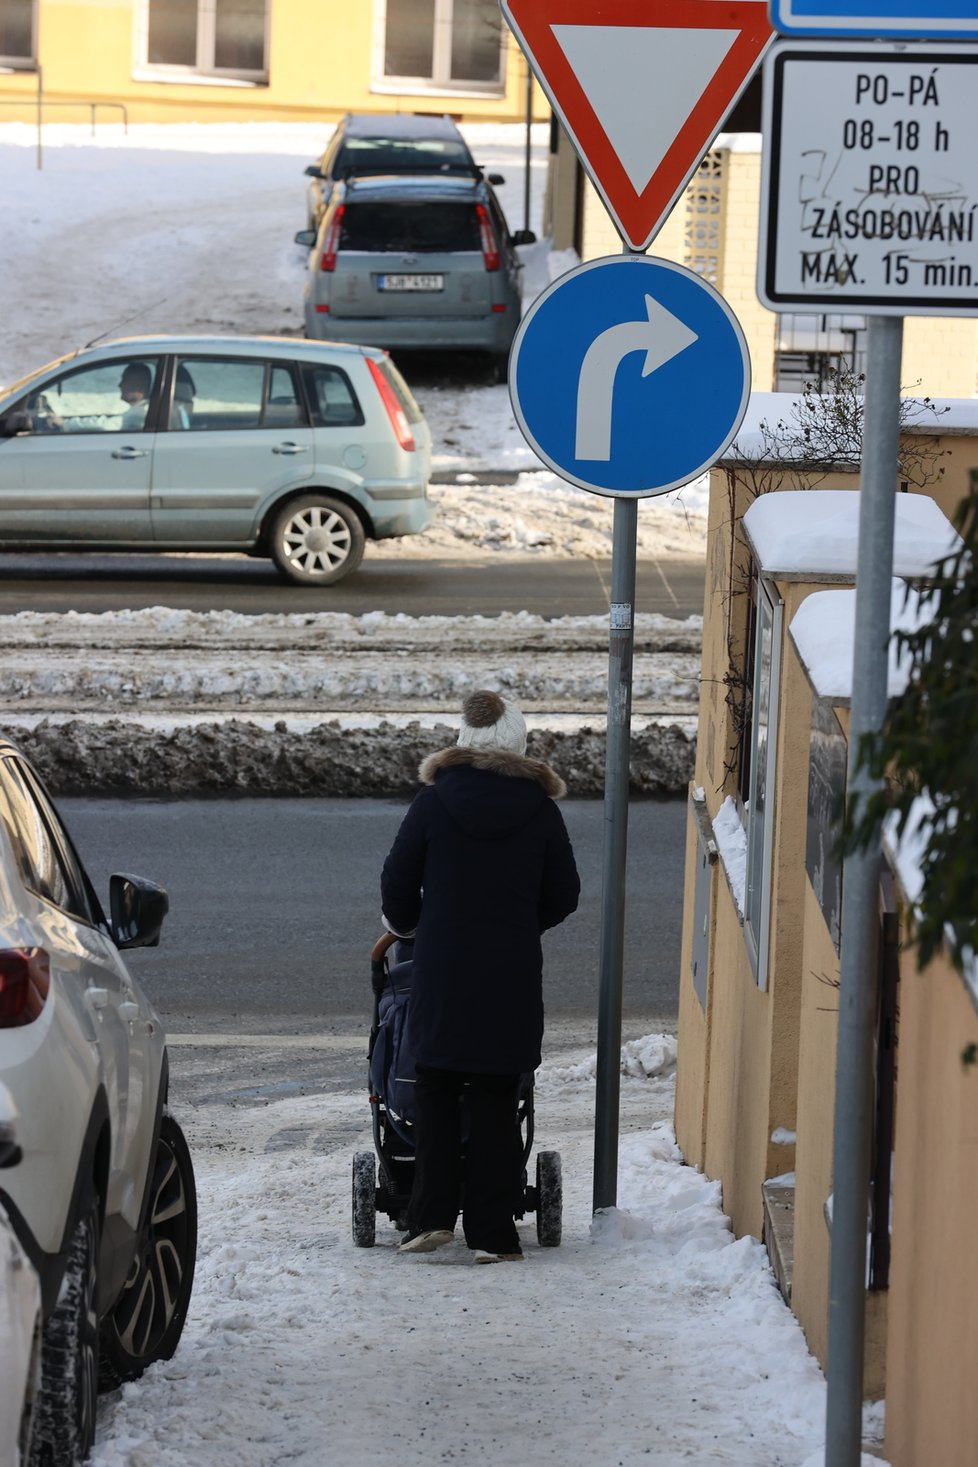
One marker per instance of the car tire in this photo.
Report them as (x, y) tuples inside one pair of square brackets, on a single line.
[(64, 1423), (316, 540), (147, 1319), (499, 368)]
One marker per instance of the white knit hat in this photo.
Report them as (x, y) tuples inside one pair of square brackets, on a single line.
[(490, 721)]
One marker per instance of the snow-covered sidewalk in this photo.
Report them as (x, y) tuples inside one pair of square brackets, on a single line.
[(651, 1335)]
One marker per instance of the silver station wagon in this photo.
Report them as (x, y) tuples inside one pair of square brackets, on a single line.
[(267, 445), (415, 264)]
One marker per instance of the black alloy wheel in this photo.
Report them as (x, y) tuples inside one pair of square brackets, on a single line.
[(147, 1319)]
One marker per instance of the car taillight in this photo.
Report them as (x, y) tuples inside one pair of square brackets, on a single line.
[(25, 977), (490, 254), (395, 412), (332, 239)]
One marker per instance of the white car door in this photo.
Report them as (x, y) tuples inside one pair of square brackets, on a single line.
[(86, 964)]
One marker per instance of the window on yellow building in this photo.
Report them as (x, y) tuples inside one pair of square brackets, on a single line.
[(18, 31), (443, 45), (208, 37)]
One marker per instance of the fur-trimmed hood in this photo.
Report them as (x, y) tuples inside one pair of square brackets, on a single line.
[(494, 761)]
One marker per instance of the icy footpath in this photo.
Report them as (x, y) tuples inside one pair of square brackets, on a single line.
[(650, 1335)]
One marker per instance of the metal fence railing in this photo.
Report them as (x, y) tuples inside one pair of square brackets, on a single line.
[(40, 102)]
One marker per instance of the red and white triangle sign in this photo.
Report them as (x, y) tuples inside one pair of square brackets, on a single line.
[(642, 88)]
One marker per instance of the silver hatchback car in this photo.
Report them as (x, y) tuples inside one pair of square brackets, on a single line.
[(267, 445), (419, 263)]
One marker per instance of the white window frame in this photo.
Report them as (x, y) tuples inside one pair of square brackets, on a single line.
[(440, 83), (757, 904), (147, 70), (24, 63)]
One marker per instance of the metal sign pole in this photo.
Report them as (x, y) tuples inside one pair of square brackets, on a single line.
[(610, 971), (860, 917)]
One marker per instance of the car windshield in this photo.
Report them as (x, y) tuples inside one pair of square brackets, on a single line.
[(428, 228), (14, 387), (396, 155)]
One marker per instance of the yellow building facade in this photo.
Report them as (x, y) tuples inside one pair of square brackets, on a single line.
[(247, 60), (759, 975)]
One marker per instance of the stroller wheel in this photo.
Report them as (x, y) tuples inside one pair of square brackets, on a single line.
[(550, 1199), (364, 1199)]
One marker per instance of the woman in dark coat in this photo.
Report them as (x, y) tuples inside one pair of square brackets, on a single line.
[(481, 866)]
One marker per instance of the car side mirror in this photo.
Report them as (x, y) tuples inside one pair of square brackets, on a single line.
[(306, 238), (15, 423), (523, 237), (313, 170), (138, 908), (496, 179)]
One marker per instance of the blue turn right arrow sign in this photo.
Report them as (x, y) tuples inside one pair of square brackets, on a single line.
[(629, 376)]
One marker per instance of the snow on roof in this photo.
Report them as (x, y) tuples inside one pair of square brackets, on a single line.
[(823, 631), (813, 534)]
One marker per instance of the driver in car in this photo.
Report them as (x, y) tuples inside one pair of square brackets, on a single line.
[(135, 387)]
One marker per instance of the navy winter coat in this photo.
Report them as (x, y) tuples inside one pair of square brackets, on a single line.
[(481, 865)]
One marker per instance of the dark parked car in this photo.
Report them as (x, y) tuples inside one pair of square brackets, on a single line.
[(415, 263), (397, 143)]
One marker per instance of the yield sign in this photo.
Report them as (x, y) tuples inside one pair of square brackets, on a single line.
[(642, 88)]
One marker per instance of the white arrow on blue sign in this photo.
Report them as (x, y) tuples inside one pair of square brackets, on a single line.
[(629, 376)]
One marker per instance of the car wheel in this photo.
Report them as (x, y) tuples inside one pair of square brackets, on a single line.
[(64, 1424), (146, 1321), (499, 368), (317, 540)]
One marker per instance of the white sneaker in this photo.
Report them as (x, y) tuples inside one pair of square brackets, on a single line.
[(480, 1255), (426, 1242)]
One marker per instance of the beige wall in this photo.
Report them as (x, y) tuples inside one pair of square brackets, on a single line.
[(932, 1403), (321, 63), (816, 1111), (692, 1078), (753, 1054)]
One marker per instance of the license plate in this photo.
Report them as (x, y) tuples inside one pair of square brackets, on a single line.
[(410, 282)]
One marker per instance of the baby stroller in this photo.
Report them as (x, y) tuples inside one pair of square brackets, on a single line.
[(390, 1078)]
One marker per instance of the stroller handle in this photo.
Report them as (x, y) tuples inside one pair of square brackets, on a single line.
[(382, 946)]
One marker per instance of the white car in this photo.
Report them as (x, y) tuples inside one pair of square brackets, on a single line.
[(102, 1197), (20, 1315)]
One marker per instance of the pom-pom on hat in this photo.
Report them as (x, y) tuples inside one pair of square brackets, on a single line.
[(490, 721)]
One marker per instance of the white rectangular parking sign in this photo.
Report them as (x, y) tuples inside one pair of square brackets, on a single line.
[(870, 185)]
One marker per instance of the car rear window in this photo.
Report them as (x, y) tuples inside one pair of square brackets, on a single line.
[(394, 155), (421, 229), (332, 401)]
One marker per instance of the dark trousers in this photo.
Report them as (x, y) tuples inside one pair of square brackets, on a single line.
[(485, 1181)]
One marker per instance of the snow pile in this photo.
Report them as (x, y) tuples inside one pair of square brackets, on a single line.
[(649, 1058), (651, 1335), (163, 701), (731, 839), (183, 758)]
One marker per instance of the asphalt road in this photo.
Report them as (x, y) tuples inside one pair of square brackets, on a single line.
[(275, 904), (95, 582)]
